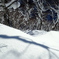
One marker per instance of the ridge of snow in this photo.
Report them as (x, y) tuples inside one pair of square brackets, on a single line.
[(13, 43), (45, 39)]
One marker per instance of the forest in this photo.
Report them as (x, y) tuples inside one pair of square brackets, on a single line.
[(30, 14)]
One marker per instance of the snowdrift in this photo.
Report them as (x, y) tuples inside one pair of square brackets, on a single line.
[(15, 44)]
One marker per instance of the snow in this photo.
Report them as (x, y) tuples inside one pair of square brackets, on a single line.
[(14, 5), (15, 44)]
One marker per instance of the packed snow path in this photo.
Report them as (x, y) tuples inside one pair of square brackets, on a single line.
[(15, 44)]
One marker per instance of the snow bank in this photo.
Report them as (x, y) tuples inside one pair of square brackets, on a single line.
[(15, 44)]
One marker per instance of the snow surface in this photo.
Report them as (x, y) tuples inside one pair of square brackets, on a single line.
[(15, 44), (14, 5)]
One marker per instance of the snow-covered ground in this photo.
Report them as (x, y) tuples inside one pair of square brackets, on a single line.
[(15, 44)]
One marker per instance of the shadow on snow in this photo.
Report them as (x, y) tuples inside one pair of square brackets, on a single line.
[(31, 42)]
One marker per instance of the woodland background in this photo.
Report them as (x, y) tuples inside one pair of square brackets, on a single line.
[(30, 14)]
